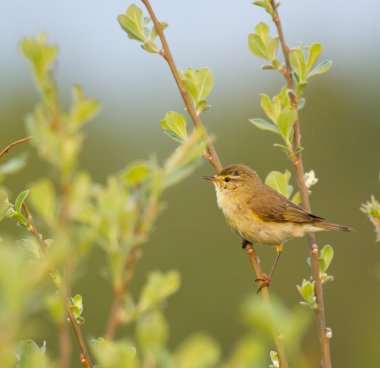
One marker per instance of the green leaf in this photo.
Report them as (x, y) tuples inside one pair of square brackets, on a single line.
[(307, 292), (197, 351), (136, 173), (76, 305), (297, 198), (261, 44), (114, 354), (40, 55), (152, 330), (321, 68), (30, 355), (13, 165), (268, 107), (153, 32), (265, 125), (175, 124), (20, 200), (280, 182), (43, 200), (83, 109), (5, 206), (151, 47), (301, 103), (158, 288), (132, 23), (286, 121), (31, 247), (327, 254), (298, 62), (314, 53), (198, 83), (265, 4)]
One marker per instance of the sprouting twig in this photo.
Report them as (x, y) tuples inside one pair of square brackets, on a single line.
[(300, 174), (119, 291), (6, 149), (212, 155), (85, 358)]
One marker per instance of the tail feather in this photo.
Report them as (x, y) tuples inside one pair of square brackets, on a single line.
[(325, 225)]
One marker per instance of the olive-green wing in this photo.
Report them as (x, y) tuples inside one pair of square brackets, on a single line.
[(270, 205)]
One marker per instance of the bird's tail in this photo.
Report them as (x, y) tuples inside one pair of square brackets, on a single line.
[(325, 225)]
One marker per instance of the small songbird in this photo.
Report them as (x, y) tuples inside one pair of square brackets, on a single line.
[(260, 214)]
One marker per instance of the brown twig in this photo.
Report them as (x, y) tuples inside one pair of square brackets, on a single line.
[(255, 263), (6, 149), (33, 229), (300, 174), (120, 290), (212, 155)]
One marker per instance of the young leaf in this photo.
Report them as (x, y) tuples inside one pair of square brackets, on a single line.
[(43, 199), (83, 109), (197, 351), (265, 125), (280, 182), (285, 122), (261, 44), (132, 23), (298, 62), (327, 254), (175, 124), (152, 330), (268, 107), (20, 200), (314, 53), (321, 68), (265, 4), (136, 173), (5, 206), (40, 55), (30, 355)]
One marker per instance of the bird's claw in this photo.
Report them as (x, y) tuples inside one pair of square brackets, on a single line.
[(244, 243), (265, 280)]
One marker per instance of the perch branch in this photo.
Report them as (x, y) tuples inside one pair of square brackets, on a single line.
[(300, 175), (212, 155)]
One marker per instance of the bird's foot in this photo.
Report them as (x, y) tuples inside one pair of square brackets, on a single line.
[(244, 243), (265, 280)]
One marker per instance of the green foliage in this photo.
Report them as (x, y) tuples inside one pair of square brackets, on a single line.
[(326, 256), (30, 355), (280, 182), (12, 166), (174, 125), (135, 25), (266, 4), (262, 45), (304, 64), (76, 305), (199, 83), (274, 359), (114, 354), (307, 292)]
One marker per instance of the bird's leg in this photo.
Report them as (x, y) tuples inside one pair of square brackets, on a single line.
[(244, 243), (266, 279)]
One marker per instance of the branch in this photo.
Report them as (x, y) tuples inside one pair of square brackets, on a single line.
[(255, 263), (118, 292), (6, 149), (212, 155), (300, 175), (85, 357)]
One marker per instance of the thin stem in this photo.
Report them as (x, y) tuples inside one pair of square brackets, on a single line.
[(114, 315), (167, 55), (65, 347), (212, 155), (6, 149), (33, 229), (300, 175), (255, 263)]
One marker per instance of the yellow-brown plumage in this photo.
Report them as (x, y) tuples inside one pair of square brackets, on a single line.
[(259, 213)]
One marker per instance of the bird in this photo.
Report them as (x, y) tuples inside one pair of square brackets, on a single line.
[(260, 214)]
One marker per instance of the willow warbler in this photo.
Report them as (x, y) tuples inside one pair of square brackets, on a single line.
[(260, 214)]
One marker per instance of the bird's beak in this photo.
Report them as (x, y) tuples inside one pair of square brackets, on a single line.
[(211, 178)]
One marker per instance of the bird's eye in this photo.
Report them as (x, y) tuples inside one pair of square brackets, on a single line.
[(227, 179)]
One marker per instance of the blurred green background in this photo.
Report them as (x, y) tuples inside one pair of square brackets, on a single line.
[(340, 134)]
